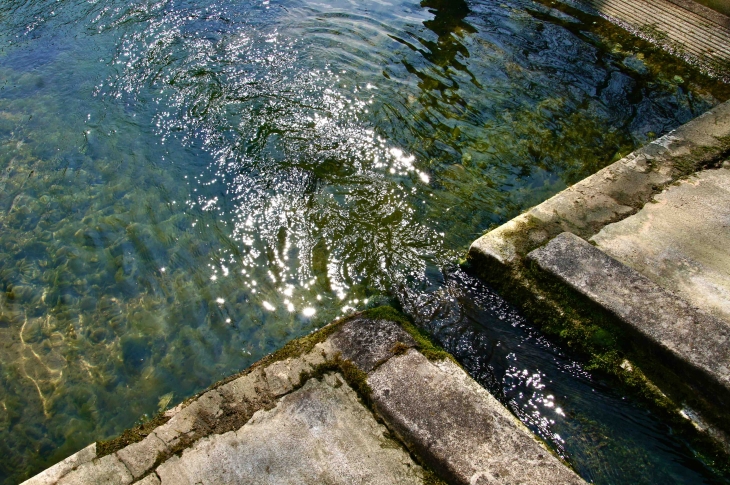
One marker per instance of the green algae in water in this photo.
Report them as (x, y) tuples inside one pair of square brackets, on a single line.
[(186, 187)]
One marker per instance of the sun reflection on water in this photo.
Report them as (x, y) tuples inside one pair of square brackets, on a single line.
[(186, 186)]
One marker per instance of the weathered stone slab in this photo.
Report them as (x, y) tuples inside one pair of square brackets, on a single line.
[(609, 195), (681, 241), (318, 434), (107, 470), (368, 342), (698, 340), (191, 420), (458, 427), (140, 457), (240, 432), (149, 480), (56, 472)]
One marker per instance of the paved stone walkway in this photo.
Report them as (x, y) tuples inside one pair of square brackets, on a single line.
[(300, 420), (681, 241)]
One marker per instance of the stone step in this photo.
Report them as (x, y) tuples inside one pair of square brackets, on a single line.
[(681, 241), (297, 420), (694, 342)]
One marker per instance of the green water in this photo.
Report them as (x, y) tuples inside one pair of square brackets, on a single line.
[(187, 185)]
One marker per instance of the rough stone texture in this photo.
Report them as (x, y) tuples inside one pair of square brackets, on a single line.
[(151, 479), (682, 241), (318, 434), (245, 389), (56, 472), (609, 195), (695, 338), (191, 421), (239, 432), (277, 377), (107, 470), (368, 342), (461, 430), (139, 457)]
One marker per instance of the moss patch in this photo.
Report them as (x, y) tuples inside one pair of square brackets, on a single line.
[(424, 344), (430, 478), (606, 347), (130, 436)]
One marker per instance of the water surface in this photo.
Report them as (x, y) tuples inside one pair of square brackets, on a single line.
[(187, 185)]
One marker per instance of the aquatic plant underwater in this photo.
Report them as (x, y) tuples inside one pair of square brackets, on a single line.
[(187, 185)]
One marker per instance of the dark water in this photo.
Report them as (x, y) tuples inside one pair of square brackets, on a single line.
[(187, 185)]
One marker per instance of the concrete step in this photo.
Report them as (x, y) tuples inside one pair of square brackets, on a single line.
[(609, 195), (693, 342), (681, 241), (300, 417)]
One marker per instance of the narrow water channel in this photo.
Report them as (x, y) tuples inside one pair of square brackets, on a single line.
[(186, 185)]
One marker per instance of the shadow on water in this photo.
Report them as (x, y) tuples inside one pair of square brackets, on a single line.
[(186, 186)]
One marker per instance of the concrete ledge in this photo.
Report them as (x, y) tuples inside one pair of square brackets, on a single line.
[(301, 417), (59, 470), (680, 241), (698, 342), (456, 425), (611, 194)]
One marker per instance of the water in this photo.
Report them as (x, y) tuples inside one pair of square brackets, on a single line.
[(187, 185)]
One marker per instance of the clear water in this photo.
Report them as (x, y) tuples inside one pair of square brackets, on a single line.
[(187, 185)]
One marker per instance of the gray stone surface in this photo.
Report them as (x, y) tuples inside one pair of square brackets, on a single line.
[(191, 421), (696, 338), (140, 457), (609, 195), (462, 430), (151, 479), (240, 432), (369, 342), (107, 470), (56, 472), (318, 434), (681, 241)]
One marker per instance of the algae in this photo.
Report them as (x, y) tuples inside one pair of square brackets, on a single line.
[(610, 351), (424, 343), (130, 436)]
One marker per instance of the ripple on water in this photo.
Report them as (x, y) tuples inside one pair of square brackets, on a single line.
[(185, 186)]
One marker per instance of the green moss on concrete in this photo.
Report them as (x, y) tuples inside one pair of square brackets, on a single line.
[(611, 351), (701, 158), (130, 436), (424, 344), (430, 478)]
